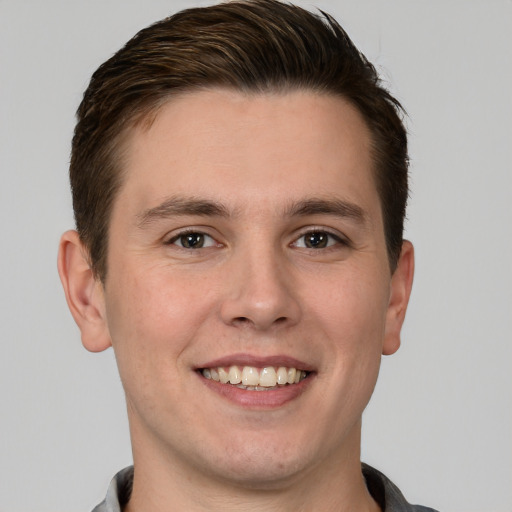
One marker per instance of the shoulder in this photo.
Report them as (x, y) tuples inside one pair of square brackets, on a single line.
[(387, 494), (118, 492)]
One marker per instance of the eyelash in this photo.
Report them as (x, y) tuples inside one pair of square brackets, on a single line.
[(338, 240), (186, 232)]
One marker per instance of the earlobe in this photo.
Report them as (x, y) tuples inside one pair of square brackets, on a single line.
[(401, 285), (84, 293)]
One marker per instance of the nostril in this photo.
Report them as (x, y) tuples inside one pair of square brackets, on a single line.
[(241, 320)]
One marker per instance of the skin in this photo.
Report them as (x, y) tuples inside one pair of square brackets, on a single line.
[(254, 291)]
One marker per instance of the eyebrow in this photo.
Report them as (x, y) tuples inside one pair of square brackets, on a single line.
[(178, 206), (336, 207), (182, 206)]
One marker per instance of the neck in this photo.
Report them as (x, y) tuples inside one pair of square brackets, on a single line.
[(166, 483)]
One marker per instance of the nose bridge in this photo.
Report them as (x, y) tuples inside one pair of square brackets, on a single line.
[(260, 290)]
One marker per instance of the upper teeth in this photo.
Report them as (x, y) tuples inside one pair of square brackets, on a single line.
[(255, 377)]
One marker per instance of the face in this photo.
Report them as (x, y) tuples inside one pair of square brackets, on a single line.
[(248, 296)]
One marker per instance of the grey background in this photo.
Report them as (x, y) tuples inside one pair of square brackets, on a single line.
[(440, 422)]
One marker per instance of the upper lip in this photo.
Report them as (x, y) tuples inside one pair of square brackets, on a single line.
[(242, 359)]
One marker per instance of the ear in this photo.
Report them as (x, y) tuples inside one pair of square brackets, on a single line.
[(401, 285), (84, 292)]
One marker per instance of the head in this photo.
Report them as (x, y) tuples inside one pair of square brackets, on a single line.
[(259, 46), (239, 179)]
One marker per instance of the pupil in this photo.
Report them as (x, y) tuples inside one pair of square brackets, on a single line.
[(316, 240), (192, 240)]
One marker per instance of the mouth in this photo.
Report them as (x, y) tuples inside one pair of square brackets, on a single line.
[(254, 378), (257, 383)]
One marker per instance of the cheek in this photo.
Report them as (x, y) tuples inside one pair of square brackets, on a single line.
[(352, 315), (139, 322), (353, 305), (146, 302), (153, 315)]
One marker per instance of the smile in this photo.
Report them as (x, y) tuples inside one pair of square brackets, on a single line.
[(252, 378)]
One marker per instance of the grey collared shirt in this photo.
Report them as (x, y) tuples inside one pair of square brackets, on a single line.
[(383, 491)]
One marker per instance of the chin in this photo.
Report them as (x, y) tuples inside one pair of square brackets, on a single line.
[(266, 474), (269, 464)]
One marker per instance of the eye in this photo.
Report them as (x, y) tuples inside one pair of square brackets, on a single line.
[(317, 240), (192, 240)]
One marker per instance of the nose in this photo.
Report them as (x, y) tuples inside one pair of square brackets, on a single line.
[(260, 292)]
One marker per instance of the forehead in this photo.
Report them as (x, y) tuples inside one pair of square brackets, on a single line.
[(233, 145)]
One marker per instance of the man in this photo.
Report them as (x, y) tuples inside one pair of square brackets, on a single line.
[(239, 181)]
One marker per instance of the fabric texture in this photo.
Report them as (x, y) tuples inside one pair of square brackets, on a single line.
[(384, 492)]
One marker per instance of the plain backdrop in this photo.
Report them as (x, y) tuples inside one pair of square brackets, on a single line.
[(440, 422)]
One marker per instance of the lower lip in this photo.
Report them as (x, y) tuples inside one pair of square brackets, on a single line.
[(270, 399)]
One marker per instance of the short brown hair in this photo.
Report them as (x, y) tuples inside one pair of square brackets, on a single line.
[(247, 45)]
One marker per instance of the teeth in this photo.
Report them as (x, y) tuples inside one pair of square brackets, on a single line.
[(268, 377), (253, 388), (235, 376), (255, 379), (223, 375), (250, 376), (282, 375)]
